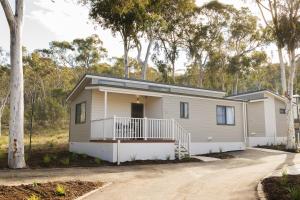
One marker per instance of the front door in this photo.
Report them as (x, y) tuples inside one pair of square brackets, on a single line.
[(137, 111)]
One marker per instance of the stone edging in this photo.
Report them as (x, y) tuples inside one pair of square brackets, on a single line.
[(260, 192), (93, 191)]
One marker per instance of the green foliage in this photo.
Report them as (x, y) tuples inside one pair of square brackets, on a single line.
[(168, 157), (98, 161), (60, 190), (46, 159), (284, 178), (65, 161), (294, 192), (33, 197)]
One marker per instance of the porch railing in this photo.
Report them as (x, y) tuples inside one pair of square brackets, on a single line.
[(140, 128)]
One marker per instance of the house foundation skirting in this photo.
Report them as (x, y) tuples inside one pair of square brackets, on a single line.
[(122, 152), (214, 147), (255, 141)]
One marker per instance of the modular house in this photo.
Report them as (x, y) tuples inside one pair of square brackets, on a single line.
[(267, 118), (120, 120)]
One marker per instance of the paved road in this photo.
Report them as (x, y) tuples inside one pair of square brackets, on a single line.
[(225, 179)]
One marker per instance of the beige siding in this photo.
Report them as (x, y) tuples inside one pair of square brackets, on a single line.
[(202, 122), (120, 105), (281, 119), (256, 119), (153, 107), (81, 132)]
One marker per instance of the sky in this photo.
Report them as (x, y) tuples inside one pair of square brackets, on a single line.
[(46, 21)]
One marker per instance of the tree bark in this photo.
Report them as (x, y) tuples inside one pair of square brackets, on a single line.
[(291, 142), (145, 62), (126, 58), (282, 71), (16, 158)]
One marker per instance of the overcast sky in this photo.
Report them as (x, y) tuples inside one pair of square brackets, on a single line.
[(46, 21)]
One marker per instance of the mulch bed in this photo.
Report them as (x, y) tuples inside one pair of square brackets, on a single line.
[(45, 191), (151, 162), (278, 147), (283, 188), (219, 155), (58, 159)]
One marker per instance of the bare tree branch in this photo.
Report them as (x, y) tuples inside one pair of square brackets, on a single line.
[(8, 13)]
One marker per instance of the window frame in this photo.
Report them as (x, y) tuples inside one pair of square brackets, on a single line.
[(226, 123), (182, 115), (282, 109), (76, 119)]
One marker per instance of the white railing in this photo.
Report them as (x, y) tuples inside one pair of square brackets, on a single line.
[(140, 128)]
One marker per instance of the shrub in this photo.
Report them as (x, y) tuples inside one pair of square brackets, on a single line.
[(98, 161), (60, 190), (284, 178), (65, 161), (84, 155), (220, 150), (294, 192), (34, 184), (46, 159), (74, 156), (133, 158), (168, 157), (33, 197)]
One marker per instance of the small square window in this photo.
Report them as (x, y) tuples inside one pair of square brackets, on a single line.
[(282, 111), (225, 115), (184, 110), (80, 113)]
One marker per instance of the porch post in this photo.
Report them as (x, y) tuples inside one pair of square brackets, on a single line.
[(105, 104), (145, 128), (114, 127), (173, 129)]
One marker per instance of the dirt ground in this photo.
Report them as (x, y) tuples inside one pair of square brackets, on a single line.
[(233, 179), (48, 191)]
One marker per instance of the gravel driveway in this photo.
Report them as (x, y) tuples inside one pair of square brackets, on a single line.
[(225, 179)]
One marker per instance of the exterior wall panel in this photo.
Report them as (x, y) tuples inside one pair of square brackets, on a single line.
[(202, 122)]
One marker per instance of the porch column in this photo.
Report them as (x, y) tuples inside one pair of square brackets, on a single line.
[(105, 104)]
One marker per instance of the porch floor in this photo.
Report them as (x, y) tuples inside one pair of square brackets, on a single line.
[(134, 141)]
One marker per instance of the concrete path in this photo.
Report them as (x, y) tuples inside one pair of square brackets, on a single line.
[(225, 179)]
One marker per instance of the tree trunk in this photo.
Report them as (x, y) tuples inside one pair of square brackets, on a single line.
[(236, 83), (291, 142), (16, 125), (145, 62), (173, 71), (126, 58), (282, 71)]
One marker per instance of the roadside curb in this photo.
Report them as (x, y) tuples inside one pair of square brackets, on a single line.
[(93, 191), (260, 192)]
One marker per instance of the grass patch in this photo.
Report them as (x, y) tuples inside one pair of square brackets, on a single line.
[(49, 149)]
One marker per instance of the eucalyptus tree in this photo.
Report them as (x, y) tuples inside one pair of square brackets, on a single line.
[(284, 26), (122, 17), (176, 15), (89, 51), (205, 32), (4, 91), (274, 9), (16, 158), (244, 36)]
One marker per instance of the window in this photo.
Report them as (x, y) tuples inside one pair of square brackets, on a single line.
[(225, 115), (80, 113), (282, 111), (184, 110)]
